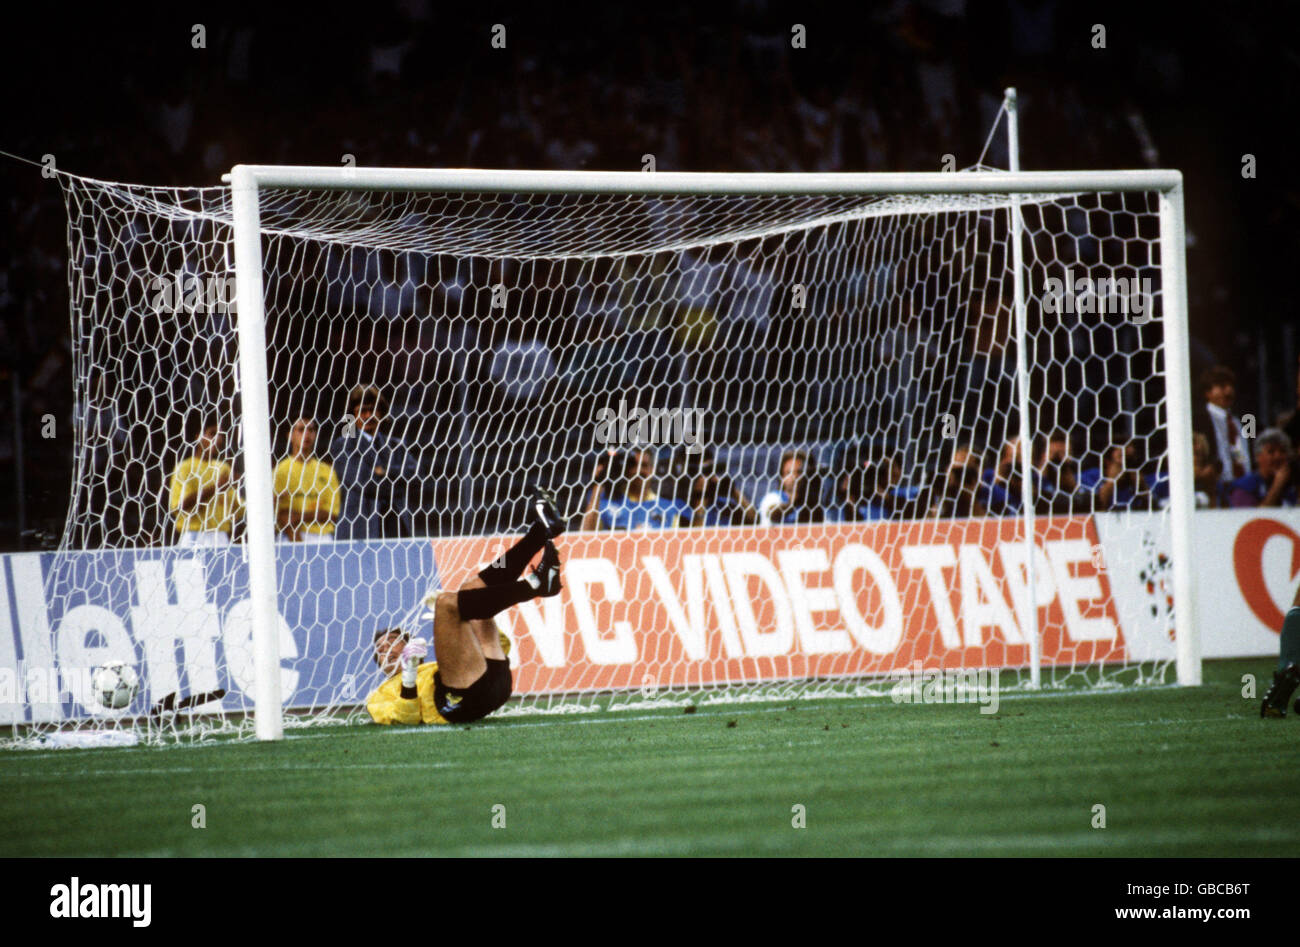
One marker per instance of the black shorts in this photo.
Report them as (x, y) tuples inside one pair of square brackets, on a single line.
[(467, 704)]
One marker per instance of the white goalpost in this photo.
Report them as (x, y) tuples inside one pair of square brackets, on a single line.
[(257, 451), (984, 375)]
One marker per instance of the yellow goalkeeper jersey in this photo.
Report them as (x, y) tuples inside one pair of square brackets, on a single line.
[(386, 704)]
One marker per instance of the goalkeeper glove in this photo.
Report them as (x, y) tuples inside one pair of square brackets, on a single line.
[(412, 655)]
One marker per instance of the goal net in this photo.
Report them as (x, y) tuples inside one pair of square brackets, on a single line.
[(790, 429)]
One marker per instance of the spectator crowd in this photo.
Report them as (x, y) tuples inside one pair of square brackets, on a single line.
[(896, 87), (354, 492)]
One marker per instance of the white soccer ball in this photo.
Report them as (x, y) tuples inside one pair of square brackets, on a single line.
[(115, 684)]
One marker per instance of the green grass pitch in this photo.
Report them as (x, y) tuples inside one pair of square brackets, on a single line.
[(1180, 771)]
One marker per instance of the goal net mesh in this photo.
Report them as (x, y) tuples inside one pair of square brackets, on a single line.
[(866, 342)]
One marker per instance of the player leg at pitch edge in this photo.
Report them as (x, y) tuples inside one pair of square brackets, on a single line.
[(470, 676), (1287, 676)]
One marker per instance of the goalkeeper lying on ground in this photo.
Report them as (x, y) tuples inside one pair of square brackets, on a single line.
[(471, 677)]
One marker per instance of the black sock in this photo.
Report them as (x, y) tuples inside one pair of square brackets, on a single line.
[(1289, 653), (485, 602), (510, 565)]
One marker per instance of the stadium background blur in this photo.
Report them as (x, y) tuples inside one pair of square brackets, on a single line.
[(893, 87)]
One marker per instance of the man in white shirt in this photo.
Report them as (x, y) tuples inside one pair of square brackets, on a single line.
[(794, 500), (1220, 387)]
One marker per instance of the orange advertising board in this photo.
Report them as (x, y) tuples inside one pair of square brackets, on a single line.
[(744, 604)]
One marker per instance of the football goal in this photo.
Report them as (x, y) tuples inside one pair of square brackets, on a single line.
[(815, 433)]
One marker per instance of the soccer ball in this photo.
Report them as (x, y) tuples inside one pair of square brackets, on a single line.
[(115, 684)]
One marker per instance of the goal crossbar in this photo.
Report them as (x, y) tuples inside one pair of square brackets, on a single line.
[(681, 182)]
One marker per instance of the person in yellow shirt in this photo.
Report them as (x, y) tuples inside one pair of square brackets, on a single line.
[(201, 499), (307, 495), (470, 676)]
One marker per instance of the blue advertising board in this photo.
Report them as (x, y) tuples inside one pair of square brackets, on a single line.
[(181, 617)]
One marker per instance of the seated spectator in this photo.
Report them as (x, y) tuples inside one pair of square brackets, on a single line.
[(712, 496), (307, 495), (1056, 473), (622, 495), (374, 471), (868, 492), (911, 500), (795, 499), (1118, 484), (1219, 386), (1002, 483), (957, 492), (1205, 474), (202, 501), (1274, 484)]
